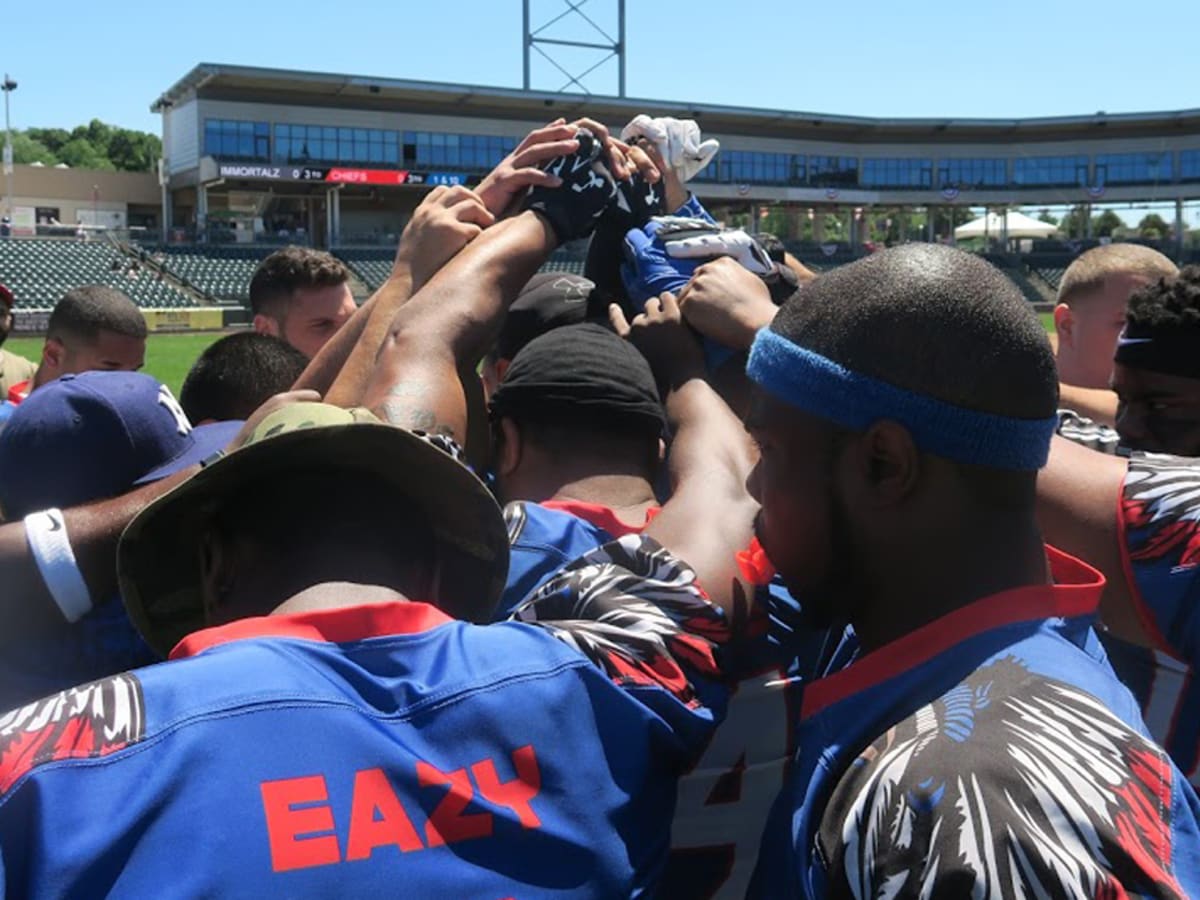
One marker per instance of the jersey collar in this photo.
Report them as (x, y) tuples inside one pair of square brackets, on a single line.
[(601, 516), (335, 626), (1075, 592)]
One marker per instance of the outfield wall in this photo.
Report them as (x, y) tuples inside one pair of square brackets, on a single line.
[(200, 318)]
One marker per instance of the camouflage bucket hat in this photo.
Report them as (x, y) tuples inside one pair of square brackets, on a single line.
[(158, 557)]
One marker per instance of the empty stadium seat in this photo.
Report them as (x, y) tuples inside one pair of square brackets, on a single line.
[(40, 270)]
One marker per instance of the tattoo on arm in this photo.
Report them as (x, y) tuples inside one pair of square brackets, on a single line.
[(407, 406)]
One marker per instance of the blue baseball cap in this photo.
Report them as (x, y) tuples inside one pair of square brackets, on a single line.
[(96, 435)]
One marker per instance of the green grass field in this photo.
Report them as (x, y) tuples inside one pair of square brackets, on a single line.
[(168, 356)]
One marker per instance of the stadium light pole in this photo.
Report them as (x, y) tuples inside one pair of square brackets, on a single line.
[(8, 87)]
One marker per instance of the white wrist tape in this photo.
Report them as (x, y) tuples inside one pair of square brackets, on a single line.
[(46, 532)]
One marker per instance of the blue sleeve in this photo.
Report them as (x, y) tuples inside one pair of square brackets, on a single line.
[(541, 542), (1160, 528)]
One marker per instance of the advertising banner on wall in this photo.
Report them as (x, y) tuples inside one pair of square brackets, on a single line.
[(341, 175)]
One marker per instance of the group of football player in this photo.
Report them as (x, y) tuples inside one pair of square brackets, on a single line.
[(702, 575)]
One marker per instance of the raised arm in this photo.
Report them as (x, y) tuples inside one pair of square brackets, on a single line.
[(709, 516), (449, 325)]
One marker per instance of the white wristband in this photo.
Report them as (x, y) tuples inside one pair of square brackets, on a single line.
[(46, 532)]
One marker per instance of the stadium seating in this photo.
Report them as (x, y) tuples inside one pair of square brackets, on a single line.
[(221, 273), (371, 265), (40, 270)]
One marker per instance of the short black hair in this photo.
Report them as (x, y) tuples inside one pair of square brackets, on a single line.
[(933, 320), (288, 270), (1172, 303), (85, 311), (237, 374)]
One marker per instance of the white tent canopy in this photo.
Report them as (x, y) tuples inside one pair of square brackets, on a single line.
[(992, 225)]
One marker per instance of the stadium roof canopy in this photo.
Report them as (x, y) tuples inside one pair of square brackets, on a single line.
[(249, 83)]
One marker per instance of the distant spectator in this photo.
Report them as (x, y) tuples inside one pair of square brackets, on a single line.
[(237, 374), (302, 296), (92, 328), (1091, 307), (13, 369)]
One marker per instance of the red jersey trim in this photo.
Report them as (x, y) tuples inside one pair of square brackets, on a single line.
[(1140, 607), (601, 516), (19, 391), (335, 626), (1075, 592)]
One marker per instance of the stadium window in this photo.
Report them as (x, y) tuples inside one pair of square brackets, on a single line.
[(477, 152), (236, 140), (1133, 168), (1051, 171), (1189, 165), (833, 171), (972, 173), (896, 173)]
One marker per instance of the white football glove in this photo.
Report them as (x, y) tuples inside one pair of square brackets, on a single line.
[(735, 243), (677, 140)]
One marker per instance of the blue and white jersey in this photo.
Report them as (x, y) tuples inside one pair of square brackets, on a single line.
[(991, 753)]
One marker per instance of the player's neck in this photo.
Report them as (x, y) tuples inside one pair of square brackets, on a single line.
[(961, 570), (336, 594), (629, 496)]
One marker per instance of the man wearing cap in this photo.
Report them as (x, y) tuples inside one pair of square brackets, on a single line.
[(330, 722), (79, 439), (550, 300), (13, 369), (980, 745)]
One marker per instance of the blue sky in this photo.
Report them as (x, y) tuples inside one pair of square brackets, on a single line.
[(75, 61)]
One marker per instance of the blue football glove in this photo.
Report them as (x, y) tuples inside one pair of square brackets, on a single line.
[(649, 268)]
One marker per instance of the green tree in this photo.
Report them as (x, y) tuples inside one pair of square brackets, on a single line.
[(79, 153), (134, 151), (28, 150), (1154, 227), (1106, 223), (1045, 216), (53, 138)]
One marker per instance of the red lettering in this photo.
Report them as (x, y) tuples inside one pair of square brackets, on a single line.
[(373, 794), (447, 824), (285, 823), (514, 794)]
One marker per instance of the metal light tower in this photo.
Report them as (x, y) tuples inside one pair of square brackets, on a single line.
[(8, 87), (542, 39)]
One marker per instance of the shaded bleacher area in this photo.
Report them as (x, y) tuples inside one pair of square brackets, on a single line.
[(372, 265), (219, 273), (40, 270)]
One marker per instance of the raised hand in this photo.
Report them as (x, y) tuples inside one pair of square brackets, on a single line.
[(447, 220), (727, 303), (661, 335), (503, 188), (585, 190)]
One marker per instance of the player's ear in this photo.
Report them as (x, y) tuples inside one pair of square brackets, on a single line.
[(1064, 324), (508, 448), (217, 572), (264, 324), (885, 463), (53, 353)]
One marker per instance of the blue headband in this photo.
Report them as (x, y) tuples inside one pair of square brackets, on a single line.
[(821, 387)]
